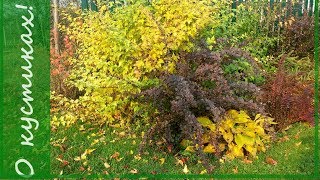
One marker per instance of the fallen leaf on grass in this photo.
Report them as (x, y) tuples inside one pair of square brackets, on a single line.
[(84, 155), (137, 157), (119, 159), (94, 142), (134, 136), (134, 171), (299, 143), (115, 155), (89, 151), (284, 138), (185, 169), (287, 128), (179, 162), (247, 161), (297, 135), (170, 148), (82, 168), (64, 162), (204, 172), (271, 161), (235, 170), (82, 128), (85, 163), (122, 134), (106, 165), (161, 160)]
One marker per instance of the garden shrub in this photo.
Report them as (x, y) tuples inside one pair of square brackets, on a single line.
[(123, 51), (237, 135), (60, 69), (198, 88), (299, 36), (287, 99), (244, 27)]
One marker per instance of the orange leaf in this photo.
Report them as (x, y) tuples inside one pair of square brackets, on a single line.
[(247, 161), (115, 155), (271, 161), (235, 170)]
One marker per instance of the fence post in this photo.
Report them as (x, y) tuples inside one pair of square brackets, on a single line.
[(84, 4), (234, 7), (93, 6), (55, 26)]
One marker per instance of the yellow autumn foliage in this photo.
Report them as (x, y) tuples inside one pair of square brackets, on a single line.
[(241, 134), (119, 52)]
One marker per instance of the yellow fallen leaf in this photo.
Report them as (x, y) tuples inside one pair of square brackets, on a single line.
[(235, 170), (131, 152), (89, 151), (119, 159), (204, 172), (161, 160), (299, 143), (221, 160), (85, 163), (122, 134), (77, 158), (134, 171), (137, 157), (82, 128), (185, 169), (106, 165), (94, 142), (83, 156), (179, 162)]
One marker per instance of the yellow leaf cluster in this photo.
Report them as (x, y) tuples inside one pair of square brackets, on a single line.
[(241, 134)]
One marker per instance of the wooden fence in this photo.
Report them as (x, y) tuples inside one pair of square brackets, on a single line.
[(298, 6), (286, 8)]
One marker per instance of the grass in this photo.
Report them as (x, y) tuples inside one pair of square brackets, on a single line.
[(293, 150)]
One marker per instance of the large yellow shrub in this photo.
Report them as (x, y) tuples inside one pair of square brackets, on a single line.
[(119, 52)]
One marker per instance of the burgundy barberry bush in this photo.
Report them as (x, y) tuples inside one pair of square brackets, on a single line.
[(198, 88), (287, 99)]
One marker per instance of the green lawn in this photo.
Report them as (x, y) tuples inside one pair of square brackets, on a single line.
[(116, 154)]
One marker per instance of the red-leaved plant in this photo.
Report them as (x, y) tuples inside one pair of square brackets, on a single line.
[(287, 99), (60, 66)]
